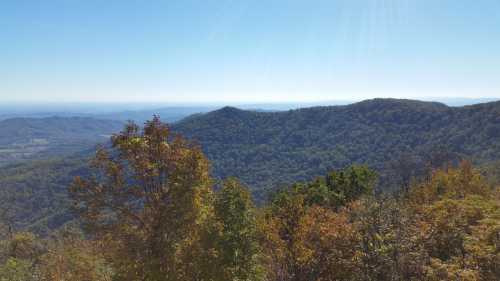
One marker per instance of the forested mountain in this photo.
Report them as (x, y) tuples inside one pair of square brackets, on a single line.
[(35, 138), (150, 211), (268, 148), (33, 195), (400, 139)]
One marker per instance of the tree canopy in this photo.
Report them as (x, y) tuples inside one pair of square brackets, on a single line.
[(151, 211)]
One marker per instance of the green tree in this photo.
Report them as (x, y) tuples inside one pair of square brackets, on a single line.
[(236, 236), (350, 184)]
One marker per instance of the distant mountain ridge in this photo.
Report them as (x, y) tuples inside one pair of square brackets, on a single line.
[(32, 138), (20, 129), (169, 114), (174, 112)]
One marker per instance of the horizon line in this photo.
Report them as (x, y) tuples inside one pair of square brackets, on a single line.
[(257, 102)]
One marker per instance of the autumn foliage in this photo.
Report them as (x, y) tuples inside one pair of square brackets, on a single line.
[(152, 212)]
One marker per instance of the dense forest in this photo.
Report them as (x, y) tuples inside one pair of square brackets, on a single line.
[(149, 209), (397, 138), (37, 192), (401, 140)]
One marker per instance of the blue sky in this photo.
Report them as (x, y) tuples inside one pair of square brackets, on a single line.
[(247, 51)]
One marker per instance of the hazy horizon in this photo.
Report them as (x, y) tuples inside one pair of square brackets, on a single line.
[(234, 52), (19, 109)]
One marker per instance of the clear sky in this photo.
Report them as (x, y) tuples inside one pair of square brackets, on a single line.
[(247, 50)]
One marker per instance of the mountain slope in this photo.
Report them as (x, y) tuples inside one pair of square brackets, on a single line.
[(265, 149), (398, 138), (34, 194)]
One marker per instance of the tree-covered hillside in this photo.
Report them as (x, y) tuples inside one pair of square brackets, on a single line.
[(34, 195), (399, 139), (265, 149), (149, 210)]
